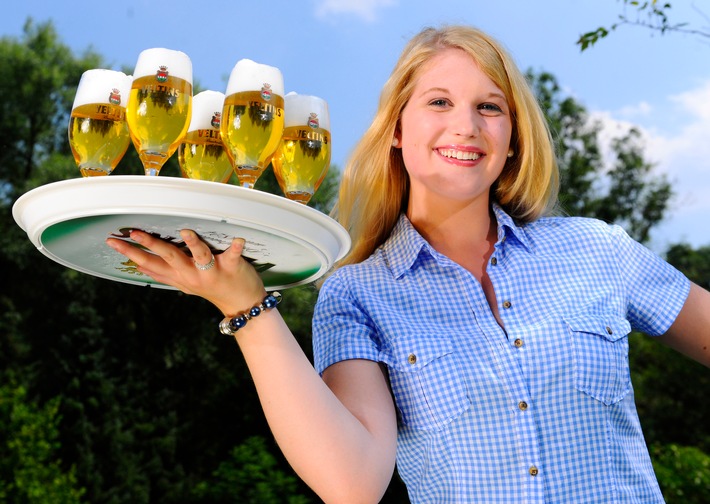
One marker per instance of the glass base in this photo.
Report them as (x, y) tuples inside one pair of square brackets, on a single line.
[(152, 161), (248, 175), (299, 196), (94, 172)]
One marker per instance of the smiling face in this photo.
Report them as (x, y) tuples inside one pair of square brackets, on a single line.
[(454, 133)]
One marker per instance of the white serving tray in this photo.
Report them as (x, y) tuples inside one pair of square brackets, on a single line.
[(287, 242)]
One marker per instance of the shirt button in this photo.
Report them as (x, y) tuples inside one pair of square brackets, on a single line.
[(507, 304), (518, 343), (533, 471), (522, 405), (608, 330), (494, 261), (412, 359)]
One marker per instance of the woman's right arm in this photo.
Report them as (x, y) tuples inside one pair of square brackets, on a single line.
[(338, 432)]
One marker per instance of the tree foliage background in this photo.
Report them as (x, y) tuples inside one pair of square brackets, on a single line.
[(112, 393)]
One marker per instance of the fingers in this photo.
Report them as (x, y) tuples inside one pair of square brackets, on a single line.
[(143, 258), (214, 281), (233, 254), (201, 253), (161, 259)]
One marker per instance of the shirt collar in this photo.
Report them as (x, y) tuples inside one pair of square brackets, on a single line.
[(403, 246), (405, 243), (508, 227)]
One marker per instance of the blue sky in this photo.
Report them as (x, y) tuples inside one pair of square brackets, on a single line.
[(343, 50)]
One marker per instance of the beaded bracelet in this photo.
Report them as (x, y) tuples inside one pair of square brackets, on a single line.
[(230, 325)]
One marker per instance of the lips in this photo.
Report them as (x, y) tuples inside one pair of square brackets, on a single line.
[(461, 155)]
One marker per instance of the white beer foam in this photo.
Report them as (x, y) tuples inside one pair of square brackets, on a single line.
[(98, 85), (204, 106), (298, 109), (177, 63), (248, 75)]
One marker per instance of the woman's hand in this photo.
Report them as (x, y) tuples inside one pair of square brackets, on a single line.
[(232, 284)]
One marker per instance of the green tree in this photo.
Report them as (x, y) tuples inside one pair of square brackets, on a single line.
[(618, 187), (695, 263), (636, 199), (30, 470), (683, 472), (40, 75), (649, 14), (250, 475)]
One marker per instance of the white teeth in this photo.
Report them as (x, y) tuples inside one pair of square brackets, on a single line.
[(453, 153)]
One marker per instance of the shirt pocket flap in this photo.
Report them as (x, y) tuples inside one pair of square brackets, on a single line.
[(427, 384), (611, 327), (601, 363), (415, 353)]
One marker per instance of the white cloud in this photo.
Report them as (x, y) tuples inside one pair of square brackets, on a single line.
[(677, 140), (696, 101), (366, 10), (685, 153), (638, 110)]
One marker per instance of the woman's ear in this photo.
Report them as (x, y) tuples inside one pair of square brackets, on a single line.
[(397, 139)]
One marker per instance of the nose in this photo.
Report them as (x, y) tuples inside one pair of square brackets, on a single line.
[(467, 122)]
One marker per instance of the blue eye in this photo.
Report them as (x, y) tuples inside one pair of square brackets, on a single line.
[(491, 107), (439, 102)]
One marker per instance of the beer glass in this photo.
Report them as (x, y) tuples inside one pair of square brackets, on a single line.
[(201, 153), (252, 118), (303, 156), (98, 134), (159, 105)]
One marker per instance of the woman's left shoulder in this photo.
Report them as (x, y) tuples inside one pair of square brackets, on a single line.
[(572, 227), (575, 235)]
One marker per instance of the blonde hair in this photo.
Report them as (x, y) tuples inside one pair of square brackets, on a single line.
[(375, 185)]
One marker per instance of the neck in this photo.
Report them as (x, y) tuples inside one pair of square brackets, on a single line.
[(465, 233)]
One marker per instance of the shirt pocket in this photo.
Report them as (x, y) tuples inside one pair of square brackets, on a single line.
[(601, 356), (428, 387)]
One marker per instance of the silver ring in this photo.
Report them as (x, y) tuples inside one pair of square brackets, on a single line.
[(204, 267)]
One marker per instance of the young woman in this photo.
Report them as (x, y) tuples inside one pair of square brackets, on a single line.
[(469, 336)]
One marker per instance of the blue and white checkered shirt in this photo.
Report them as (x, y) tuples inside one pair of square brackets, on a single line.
[(542, 411)]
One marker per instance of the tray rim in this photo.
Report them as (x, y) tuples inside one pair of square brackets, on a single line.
[(35, 224)]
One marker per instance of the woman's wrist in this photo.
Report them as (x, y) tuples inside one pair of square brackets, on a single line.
[(231, 324)]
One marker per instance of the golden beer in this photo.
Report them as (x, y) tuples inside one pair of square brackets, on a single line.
[(98, 134), (251, 130), (303, 157), (202, 156), (301, 161), (98, 137), (252, 118), (158, 115)]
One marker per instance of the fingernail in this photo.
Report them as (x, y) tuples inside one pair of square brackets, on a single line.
[(137, 237)]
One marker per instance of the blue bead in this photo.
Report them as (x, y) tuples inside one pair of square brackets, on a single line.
[(238, 322), (270, 301), (255, 311)]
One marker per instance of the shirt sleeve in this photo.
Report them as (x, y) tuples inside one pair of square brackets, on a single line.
[(341, 329), (655, 290)]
